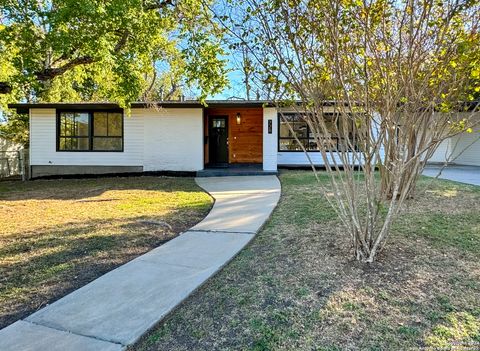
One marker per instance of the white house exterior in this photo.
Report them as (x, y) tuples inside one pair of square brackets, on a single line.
[(462, 149), (182, 137), (170, 137)]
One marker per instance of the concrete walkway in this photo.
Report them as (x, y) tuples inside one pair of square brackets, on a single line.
[(116, 309), (462, 174)]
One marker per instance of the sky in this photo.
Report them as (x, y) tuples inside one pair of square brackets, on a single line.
[(236, 88)]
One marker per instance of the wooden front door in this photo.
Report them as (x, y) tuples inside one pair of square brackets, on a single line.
[(218, 140)]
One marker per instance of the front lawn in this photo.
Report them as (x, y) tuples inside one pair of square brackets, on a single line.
[(296, 287), (58, 235)]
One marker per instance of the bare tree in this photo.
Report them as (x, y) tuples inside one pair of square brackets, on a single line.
[(380, 83)]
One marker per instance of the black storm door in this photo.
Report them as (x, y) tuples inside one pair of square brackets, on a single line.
[(218, 140)]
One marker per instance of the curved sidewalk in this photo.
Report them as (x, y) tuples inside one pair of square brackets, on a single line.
[(116, 309)]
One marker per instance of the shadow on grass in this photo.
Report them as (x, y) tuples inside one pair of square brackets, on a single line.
[(77, 189), (40, 267)]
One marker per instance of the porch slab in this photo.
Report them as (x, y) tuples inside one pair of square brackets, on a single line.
[(216, 186), (235, 170)]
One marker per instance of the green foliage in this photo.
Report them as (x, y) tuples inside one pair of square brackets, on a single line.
[(460, 331), (15, 128), (73, 50), (118, 50)]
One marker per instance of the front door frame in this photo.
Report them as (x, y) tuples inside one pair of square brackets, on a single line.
[(210, 118)]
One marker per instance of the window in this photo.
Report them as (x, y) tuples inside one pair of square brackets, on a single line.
[(74, 131), (218, 123), (299, 127), (90, 131), (107, 131)]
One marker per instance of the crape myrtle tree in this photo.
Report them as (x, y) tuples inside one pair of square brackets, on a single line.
[(116, 50), (396, 79)]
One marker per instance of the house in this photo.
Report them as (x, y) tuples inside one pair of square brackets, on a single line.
[(462, 149), (171, 136)]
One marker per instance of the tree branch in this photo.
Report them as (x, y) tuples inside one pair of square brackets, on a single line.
[(50, 73), (156, 5), (121, 42), (5, 88)]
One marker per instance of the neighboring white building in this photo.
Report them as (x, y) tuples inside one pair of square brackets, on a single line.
[(7, 145), (462, 149), (10, 157), (176, 136)]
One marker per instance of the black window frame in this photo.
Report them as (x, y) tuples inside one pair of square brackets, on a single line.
[(90, 129), (308, 138)]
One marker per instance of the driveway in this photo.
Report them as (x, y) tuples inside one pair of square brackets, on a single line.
[(462, 174)]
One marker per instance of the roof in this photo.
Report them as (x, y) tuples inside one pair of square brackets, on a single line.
[(24, 107), (165, 104)]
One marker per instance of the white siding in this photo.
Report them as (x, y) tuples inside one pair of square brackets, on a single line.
[(299, 158), (173, 139), (43, 144), (443, 151), (270, 140), (462, 149), (466, 149)]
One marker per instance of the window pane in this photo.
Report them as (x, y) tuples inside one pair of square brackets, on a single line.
[(297, 123), (312, 145), (67, 124), (64, 144), (107, 144), (74, 124), (81, 124), (300, 129), (100, 124), (292, 145), (330, 143), (115, 124), (80, 144), (331, 124), (218, 123)]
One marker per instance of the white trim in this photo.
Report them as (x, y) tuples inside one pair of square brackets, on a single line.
[(270, 140)]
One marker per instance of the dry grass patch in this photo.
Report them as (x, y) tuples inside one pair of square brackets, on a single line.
[(57, 235), (296, 286)]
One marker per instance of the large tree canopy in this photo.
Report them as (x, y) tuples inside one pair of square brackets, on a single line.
[(78, 50)]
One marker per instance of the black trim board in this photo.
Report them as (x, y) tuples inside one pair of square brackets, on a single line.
[(93, 171), (166, 104), (179, 174)]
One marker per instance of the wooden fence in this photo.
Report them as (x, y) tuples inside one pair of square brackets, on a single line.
[(14, 164)]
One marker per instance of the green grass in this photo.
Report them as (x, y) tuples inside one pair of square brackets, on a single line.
[(297, 287), (58, 235)]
